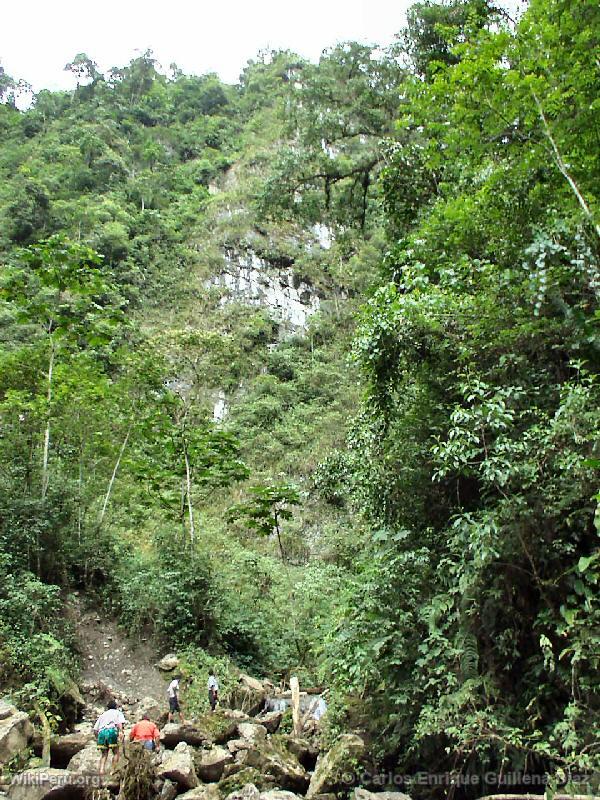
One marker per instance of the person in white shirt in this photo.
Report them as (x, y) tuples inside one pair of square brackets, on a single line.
[(107, 730), (213, 690), (174, 705)]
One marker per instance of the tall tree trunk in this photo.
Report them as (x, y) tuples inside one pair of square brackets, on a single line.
[(111, 483), (46, 453), (188, 482), (562, 167)]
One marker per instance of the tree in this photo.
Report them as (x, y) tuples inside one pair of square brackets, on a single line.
[(83, 68), (60, 289), (267, 507)]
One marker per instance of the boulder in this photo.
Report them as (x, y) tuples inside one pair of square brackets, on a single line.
[(168, 663), (234, 713), (86, 761), (15, 733), (242, 777), (209, 792), (178, 766), (336, 770), (63, 748), (247, 792), (42, 783), (219, 727), (252, 731), (363, 794), (173, 734), (271, 720), (211, 763), (231, 769), (276, 762), (305, 751), (150, 706), (233, 745), (249, 695)]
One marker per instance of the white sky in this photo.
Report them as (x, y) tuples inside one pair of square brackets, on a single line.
[(38, 37)]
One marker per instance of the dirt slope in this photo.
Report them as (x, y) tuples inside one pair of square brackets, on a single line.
[(109, 657)]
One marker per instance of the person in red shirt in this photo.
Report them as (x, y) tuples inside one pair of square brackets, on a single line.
[(146, 732)]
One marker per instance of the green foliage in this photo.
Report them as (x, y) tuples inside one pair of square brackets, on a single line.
[(265, 510), (441, 570), (469, 623)]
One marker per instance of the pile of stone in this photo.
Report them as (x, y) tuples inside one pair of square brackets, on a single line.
[(233, 754)]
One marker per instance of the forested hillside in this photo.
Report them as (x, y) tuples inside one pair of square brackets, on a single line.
[(300, 375)]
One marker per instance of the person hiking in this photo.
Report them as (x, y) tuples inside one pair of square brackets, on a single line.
[(173, 694), (146, 732), (213, 690), (107, 729)]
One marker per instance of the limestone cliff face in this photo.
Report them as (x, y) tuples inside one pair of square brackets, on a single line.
[(248, 278)]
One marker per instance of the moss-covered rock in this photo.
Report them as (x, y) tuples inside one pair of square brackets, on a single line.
[(218, 727), (270, 758), (235, 783), (338, 768)]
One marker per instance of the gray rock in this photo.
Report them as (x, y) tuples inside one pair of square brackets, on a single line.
[(7, 710), (363, 794), (211, 763), (150, 706), (16, 731), (249, 695), (209, 792), (278, 794), (336, 771), (305, 751), (168, 663), (234, 713), (172, 734), (271, 720), (86, 761), (252, 731), (234, 745), (42, 783), (231, 769), (278, 763), (178, 766), (247, 792), (63, 748)]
